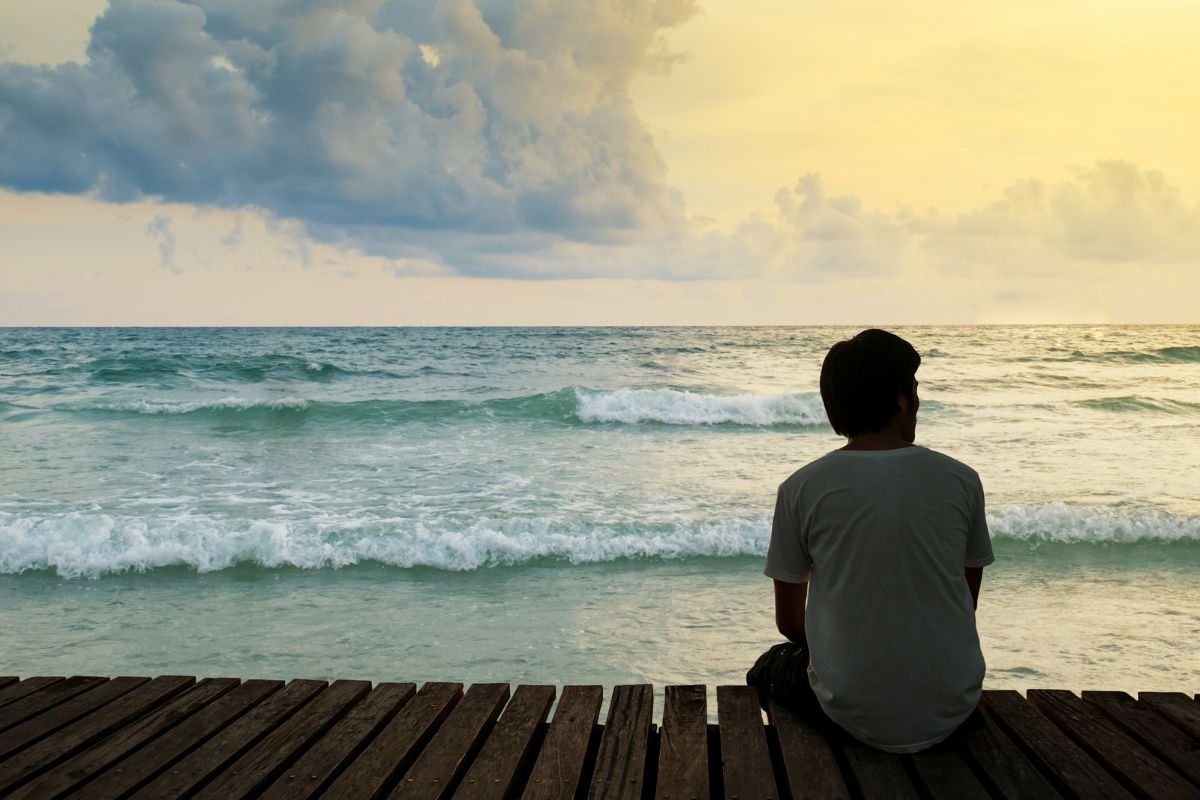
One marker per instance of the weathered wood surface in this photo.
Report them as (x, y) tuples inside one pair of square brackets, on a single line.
[(37, 699), (452, 746), (254, 771), (1066, 764), (16, 688), (212, 758), (683, 745), (621, 761), (380, 765), (144, 764), (76, 771), (506, 752), (1000, 763), (810, 766), (173, 737), (1176, 707), (311, 772), (745, 758), (1139, 720), (560, 765)]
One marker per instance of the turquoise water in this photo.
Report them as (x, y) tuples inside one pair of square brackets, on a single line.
[(552, 505)]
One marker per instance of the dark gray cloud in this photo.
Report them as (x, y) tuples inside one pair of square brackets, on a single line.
[(375, 122)]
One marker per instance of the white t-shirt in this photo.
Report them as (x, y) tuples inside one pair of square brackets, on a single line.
[(882, 537)]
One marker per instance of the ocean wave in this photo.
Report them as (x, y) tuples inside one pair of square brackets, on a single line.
[(1059, 522), (682, 407), (91, 544), (1132, 403), (567, 406), (158, 369), (246, 369), (159, 407), (80, 544), (1177, 354)]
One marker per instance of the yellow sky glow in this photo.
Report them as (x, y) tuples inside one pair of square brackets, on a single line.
[(929, 105)]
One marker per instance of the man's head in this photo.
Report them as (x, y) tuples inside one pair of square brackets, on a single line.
[(866, 381)]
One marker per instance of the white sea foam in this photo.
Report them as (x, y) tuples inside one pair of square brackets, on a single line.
[(681, 407), (1059, 522), (90, 544), (93, 543)]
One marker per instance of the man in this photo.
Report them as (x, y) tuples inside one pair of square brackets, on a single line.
[(877, 553)]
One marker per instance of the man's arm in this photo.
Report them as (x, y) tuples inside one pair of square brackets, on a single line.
[(974, 578), (789, 609)]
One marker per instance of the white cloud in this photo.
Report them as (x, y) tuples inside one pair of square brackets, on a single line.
[(488, 117), (491, 138), (1111, 211)]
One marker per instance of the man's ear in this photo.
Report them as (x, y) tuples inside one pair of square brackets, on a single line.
[(903, 402)]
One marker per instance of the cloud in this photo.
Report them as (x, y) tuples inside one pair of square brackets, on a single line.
[(491, 138), (1112, 211), (1106, 215), (160, 230), (488, 117)]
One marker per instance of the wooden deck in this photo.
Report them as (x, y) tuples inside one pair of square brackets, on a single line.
[(174, 736)]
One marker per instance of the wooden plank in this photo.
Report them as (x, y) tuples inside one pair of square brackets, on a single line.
[(25, 687), (31, 730), (318, 766), (1069, 767), (745, 759), (877, 774), (1167, 742), (683, 745), (109, 716), (508, 747), (559, 766), (946, 775), (35, 702), (6, 680), (255, 770), (1139, 770), (1006, 768), (70, 775), (1177, 707), (391, 752), (621, 759), (132, 772), (449, 751), (808, 759), (211, 758)]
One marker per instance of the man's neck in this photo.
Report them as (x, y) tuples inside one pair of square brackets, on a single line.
[(877, 440)]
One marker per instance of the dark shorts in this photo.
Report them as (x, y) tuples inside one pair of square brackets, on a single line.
[(781, 674)]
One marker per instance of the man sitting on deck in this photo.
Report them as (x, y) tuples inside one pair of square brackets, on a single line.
[(886, 541)]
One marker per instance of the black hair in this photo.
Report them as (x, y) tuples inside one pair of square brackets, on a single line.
[(860, 378)]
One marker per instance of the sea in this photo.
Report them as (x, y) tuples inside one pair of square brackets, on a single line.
[(560, 505)]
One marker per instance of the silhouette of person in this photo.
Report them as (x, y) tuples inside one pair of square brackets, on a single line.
[(877, 553)]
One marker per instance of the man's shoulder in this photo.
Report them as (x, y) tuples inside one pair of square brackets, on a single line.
[(813, 469), (952, 465)]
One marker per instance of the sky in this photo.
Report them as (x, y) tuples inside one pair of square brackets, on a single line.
[(598, 162)]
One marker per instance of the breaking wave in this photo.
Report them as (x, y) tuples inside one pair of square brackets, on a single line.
[(681, 407), (92, 543), (571, 405)]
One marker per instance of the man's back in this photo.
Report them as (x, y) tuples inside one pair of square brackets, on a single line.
[(890, 623)]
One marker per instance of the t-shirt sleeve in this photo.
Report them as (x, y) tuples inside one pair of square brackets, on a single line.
[(787, 555), (979, 541)]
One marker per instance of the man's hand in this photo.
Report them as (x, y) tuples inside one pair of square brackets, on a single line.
[(789, 610), (974, 578)]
